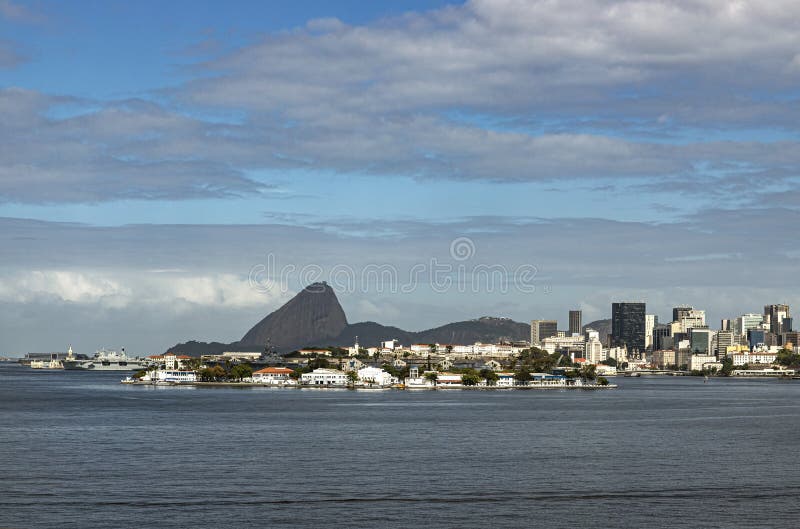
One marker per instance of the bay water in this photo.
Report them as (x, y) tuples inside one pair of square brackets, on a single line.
[(79, 449)]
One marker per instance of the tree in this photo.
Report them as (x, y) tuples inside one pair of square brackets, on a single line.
[(610, 362), (787, 358), (470, 379), (212, 374), (241, 371), (432, 376), (523, 376), (318, 363), (352, 377), (588, 372), (490, 376), (727, 366), (193, 363), (602, 381)]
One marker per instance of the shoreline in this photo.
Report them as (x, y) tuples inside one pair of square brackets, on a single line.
[(373, 388)]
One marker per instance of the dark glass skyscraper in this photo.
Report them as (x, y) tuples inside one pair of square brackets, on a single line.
[(627, 325), (575, 317)]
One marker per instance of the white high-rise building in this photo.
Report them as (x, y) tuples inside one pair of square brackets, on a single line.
[(593, 351), (650, 321), (691, 319)]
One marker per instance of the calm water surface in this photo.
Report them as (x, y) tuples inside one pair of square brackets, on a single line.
[(81, 450)]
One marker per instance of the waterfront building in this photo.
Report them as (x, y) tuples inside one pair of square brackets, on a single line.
[(603, 370), (505, 380), (575, 321), (663, 358), (324, 377), (703, 361), (376, 376), (628, 325), (273, 376), (754, 358), (763, 372), (541, 329)]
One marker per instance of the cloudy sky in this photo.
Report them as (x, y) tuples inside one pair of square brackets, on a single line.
[(177, 170)]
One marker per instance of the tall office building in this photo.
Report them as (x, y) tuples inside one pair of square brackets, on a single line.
[(745, 322), (774, 315), (650, 322), (689, 318), (575, 323), (662, 337), (628, 325), (541, 329), (679, 312), (722, 340)]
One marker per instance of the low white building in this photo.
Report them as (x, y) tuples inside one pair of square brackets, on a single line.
[(369, 376), (603, 370), (763, 372), (324, 377), (505, 380), (700, 362), (276, 376), (561, 343), (740, 359)]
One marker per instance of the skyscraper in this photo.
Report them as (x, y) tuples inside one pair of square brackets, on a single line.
[(650, 322), (679, 312), (627, 325), (575, 323), (774, 315), (541, 329)]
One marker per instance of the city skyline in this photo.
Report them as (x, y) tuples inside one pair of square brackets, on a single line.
[(155, 156)]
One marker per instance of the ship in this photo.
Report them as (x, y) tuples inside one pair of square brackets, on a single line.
[(104, 360)]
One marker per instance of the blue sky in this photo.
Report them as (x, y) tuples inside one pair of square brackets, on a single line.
[(627, 150)]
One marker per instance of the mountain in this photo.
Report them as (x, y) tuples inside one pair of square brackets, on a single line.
[(485, 330), (312, 316)]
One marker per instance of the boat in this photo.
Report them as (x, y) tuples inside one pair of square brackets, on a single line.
[(104, 360), (633, 374)]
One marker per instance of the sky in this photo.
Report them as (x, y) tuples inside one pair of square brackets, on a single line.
[(175, 171)]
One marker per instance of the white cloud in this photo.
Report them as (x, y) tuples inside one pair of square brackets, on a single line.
[(125, 289), (501, 90)]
